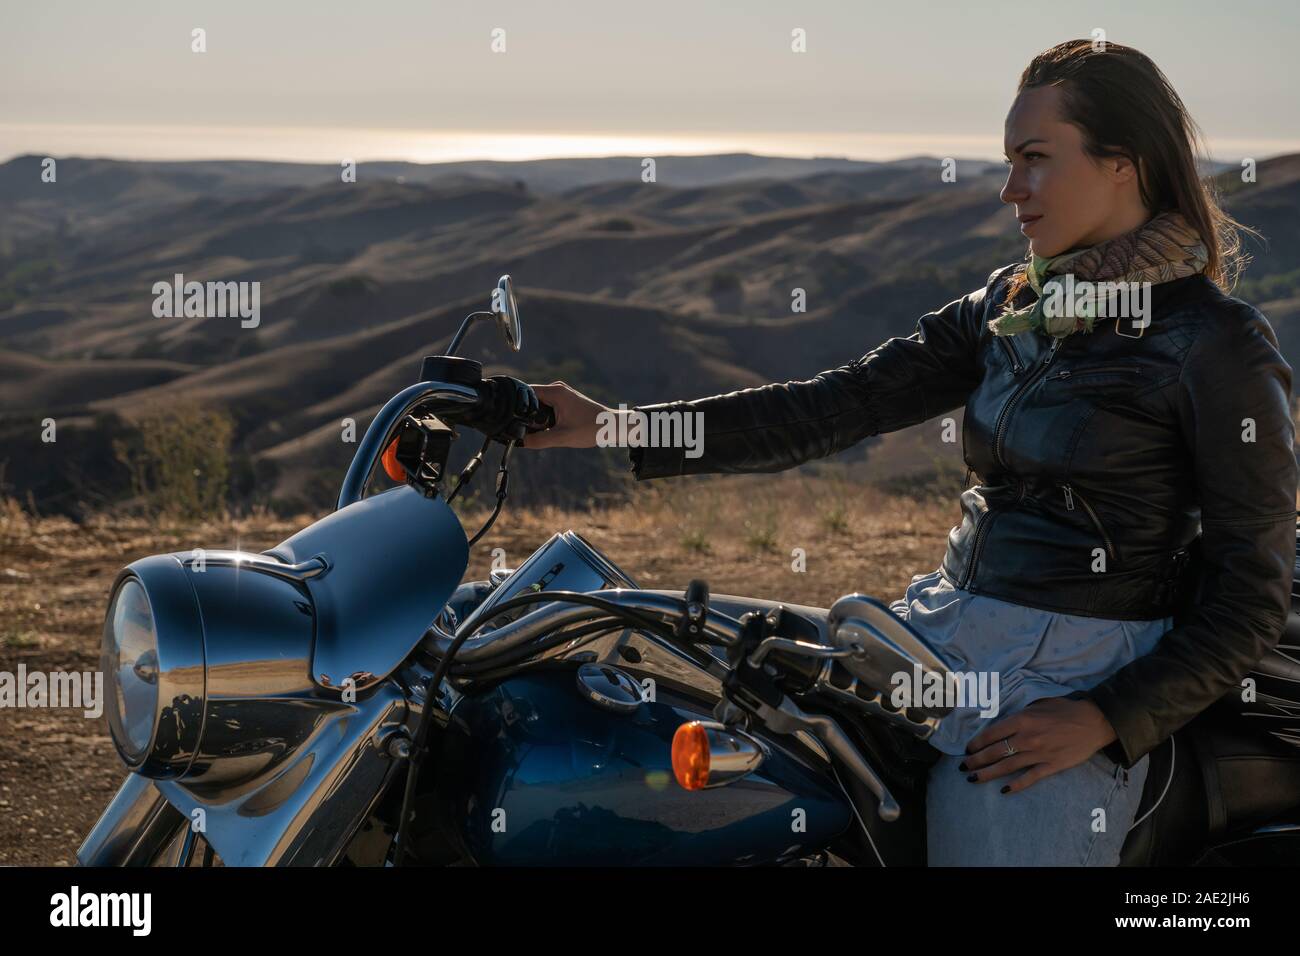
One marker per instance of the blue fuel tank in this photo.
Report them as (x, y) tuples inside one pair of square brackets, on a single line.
[(541, 775)]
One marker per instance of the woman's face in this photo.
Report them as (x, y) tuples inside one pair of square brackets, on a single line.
[(1078, 200)]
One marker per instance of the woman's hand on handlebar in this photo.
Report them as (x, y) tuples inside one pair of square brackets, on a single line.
[(576, 424), (506, 407)]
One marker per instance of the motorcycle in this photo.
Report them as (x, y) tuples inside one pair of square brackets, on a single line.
[(346, 699)]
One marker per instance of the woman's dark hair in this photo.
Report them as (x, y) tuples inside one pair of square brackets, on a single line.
[(1125, 106)]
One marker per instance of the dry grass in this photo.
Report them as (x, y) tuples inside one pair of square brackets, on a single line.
[(57, 770), (740, 534)]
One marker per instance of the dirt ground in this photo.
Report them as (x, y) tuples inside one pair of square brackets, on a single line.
[(59, 769)]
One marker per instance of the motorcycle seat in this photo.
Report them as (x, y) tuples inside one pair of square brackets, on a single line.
[(1172, 812), (1275, 708), (1217, 778)]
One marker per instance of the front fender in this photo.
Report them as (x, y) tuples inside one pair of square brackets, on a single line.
[(304, 815)]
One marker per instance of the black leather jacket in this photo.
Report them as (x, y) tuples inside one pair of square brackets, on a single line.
[(1123, 478)]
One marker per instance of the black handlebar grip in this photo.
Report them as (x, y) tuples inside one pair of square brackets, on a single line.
[(544, 419)]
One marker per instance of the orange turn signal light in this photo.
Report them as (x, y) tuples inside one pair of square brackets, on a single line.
[(392, 467), (691, 756)]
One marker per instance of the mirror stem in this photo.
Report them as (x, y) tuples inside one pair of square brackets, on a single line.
[(464, 327)]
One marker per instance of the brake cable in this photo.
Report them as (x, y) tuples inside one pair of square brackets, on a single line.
[(503, 476), (512, 661), (468, 471), (418, 747)]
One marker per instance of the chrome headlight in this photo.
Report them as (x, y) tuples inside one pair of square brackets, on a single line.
[(219, 665), (152, 659), (130, 659), (206, 666)]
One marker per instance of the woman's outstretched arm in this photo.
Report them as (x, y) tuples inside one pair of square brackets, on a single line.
[(902, 382)]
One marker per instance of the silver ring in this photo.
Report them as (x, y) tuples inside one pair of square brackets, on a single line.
[(1011, 751)]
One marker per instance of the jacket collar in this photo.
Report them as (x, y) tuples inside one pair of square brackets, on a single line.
[(1165, 296)]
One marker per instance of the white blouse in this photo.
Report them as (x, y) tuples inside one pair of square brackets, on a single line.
[(1035, 653)]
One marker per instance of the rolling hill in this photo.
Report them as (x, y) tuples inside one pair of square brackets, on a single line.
[(633, 291)]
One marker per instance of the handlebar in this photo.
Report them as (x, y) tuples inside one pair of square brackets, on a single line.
[(448, 399), (447, 395), (462, 371), (527, 413), (723, 628)]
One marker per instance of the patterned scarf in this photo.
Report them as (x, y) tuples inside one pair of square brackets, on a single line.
[(1165, 248)]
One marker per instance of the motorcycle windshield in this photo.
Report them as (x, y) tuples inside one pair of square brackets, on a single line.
[(395, 558)]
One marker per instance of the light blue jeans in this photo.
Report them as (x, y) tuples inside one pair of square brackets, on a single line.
[(1077, 817)]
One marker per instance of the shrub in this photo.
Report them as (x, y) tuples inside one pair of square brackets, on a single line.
[(835, 519), (760, 532), (179, 460), (697, 540)]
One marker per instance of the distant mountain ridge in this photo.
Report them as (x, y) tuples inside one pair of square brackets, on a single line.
[(635, 291)]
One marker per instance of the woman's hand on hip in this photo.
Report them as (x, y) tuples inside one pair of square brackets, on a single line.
[(1050, 735)]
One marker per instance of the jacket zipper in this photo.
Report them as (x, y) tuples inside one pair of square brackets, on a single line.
[(998, 429), (1068, 373), (1011, 353), (1070, 495)]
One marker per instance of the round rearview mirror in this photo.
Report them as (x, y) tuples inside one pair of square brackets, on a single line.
[(507, 313)]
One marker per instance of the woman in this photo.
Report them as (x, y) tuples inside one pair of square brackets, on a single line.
[(1103, 441)]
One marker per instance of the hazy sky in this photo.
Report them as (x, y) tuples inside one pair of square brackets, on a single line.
[(401, 79)]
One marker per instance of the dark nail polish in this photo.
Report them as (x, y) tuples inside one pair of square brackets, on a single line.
[(972, 777), (1006, 788), (962, 766)]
